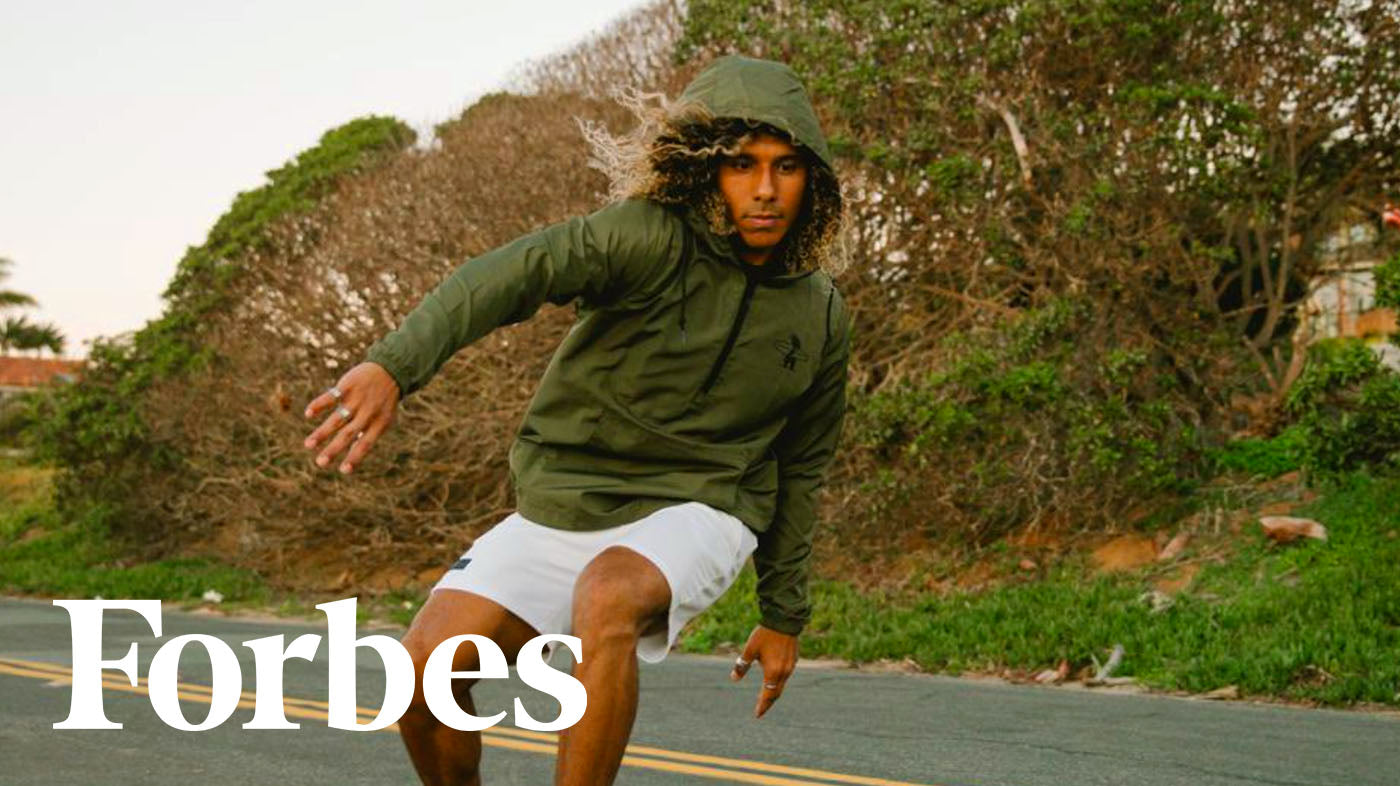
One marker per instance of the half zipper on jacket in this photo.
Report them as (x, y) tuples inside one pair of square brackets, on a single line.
[(733, 334)]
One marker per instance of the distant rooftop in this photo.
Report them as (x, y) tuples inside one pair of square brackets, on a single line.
[(23, 372)]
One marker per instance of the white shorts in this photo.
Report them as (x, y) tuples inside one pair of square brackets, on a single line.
[(530, 569)]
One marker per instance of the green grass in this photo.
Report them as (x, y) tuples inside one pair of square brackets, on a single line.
[(1265, 458), (1267, 620), (1311, 621), (40, 554), (398, 606)]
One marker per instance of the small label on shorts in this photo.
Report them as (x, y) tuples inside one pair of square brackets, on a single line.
[(459, 564)]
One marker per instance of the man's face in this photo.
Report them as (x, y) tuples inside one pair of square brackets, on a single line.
[(763, 187)]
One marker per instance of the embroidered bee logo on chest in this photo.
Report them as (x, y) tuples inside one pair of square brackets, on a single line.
[(791, 351)]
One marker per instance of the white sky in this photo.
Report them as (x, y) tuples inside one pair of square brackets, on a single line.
[(127, 128)]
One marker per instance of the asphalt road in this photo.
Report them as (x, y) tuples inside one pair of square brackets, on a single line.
[(833, 726)]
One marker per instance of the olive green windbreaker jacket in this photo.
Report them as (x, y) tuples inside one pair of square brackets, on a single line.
[(688, 375)]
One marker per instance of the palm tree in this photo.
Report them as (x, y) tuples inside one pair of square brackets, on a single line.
[(8, 298), (18, 332), (48, 337)]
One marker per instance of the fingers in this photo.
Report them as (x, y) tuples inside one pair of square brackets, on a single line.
[(320, 404), (744, 661), (343, 438), (777, 652), (335, 421), (774, 680), (361, 446), (357, 410), (340, 411), (353, 422)]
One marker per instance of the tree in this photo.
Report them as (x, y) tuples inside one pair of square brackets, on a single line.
[(1178, 161), (21, 334), (43, 337), (110, 432), (18, 332), (8, 298), (1123, 201)]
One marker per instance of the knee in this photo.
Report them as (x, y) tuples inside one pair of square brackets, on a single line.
[(420, 647), (617, 596)]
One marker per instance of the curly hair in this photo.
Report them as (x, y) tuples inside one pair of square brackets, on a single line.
[(672, 155)]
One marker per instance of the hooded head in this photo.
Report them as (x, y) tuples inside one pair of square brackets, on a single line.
[(673, 155)]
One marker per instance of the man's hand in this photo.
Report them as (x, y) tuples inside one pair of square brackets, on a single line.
[(778, 654), (368, 399)]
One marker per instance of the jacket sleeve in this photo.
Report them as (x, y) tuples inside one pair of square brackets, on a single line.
[(804, 448), (601, 258)]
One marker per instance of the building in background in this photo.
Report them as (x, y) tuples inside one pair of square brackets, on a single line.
[(1342, 296), (22, 375)]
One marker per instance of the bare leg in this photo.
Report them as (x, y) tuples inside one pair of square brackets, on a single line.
[(618, 596), (441, 754)]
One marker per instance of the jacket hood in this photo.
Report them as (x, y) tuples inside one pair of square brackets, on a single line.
[(670, 156), (762, 90)]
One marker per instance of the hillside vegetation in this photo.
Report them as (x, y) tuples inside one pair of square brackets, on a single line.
[(1081, 235)]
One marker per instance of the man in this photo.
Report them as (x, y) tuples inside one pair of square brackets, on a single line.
[(682, 425)]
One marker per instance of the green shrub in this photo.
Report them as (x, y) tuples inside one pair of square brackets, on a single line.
[(1315, 621), (1347, 405), (1265, 458), (1388, 285), (96, 430), (1026, 420), (16, 416)]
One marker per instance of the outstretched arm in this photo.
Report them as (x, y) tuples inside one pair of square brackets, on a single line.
[(600, 257), (624, 248)]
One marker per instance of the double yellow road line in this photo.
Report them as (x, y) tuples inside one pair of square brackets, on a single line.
[(645, 757)]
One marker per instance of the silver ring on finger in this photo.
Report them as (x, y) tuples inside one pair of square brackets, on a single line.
[(344, 412), (335, 392), (771, 685)]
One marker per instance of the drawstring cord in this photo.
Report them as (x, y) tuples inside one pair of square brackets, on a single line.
[(683, 298), (686, 253)]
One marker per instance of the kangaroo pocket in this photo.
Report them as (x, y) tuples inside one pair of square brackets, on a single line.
[(624, 457), (658, 463), (626, 462)]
